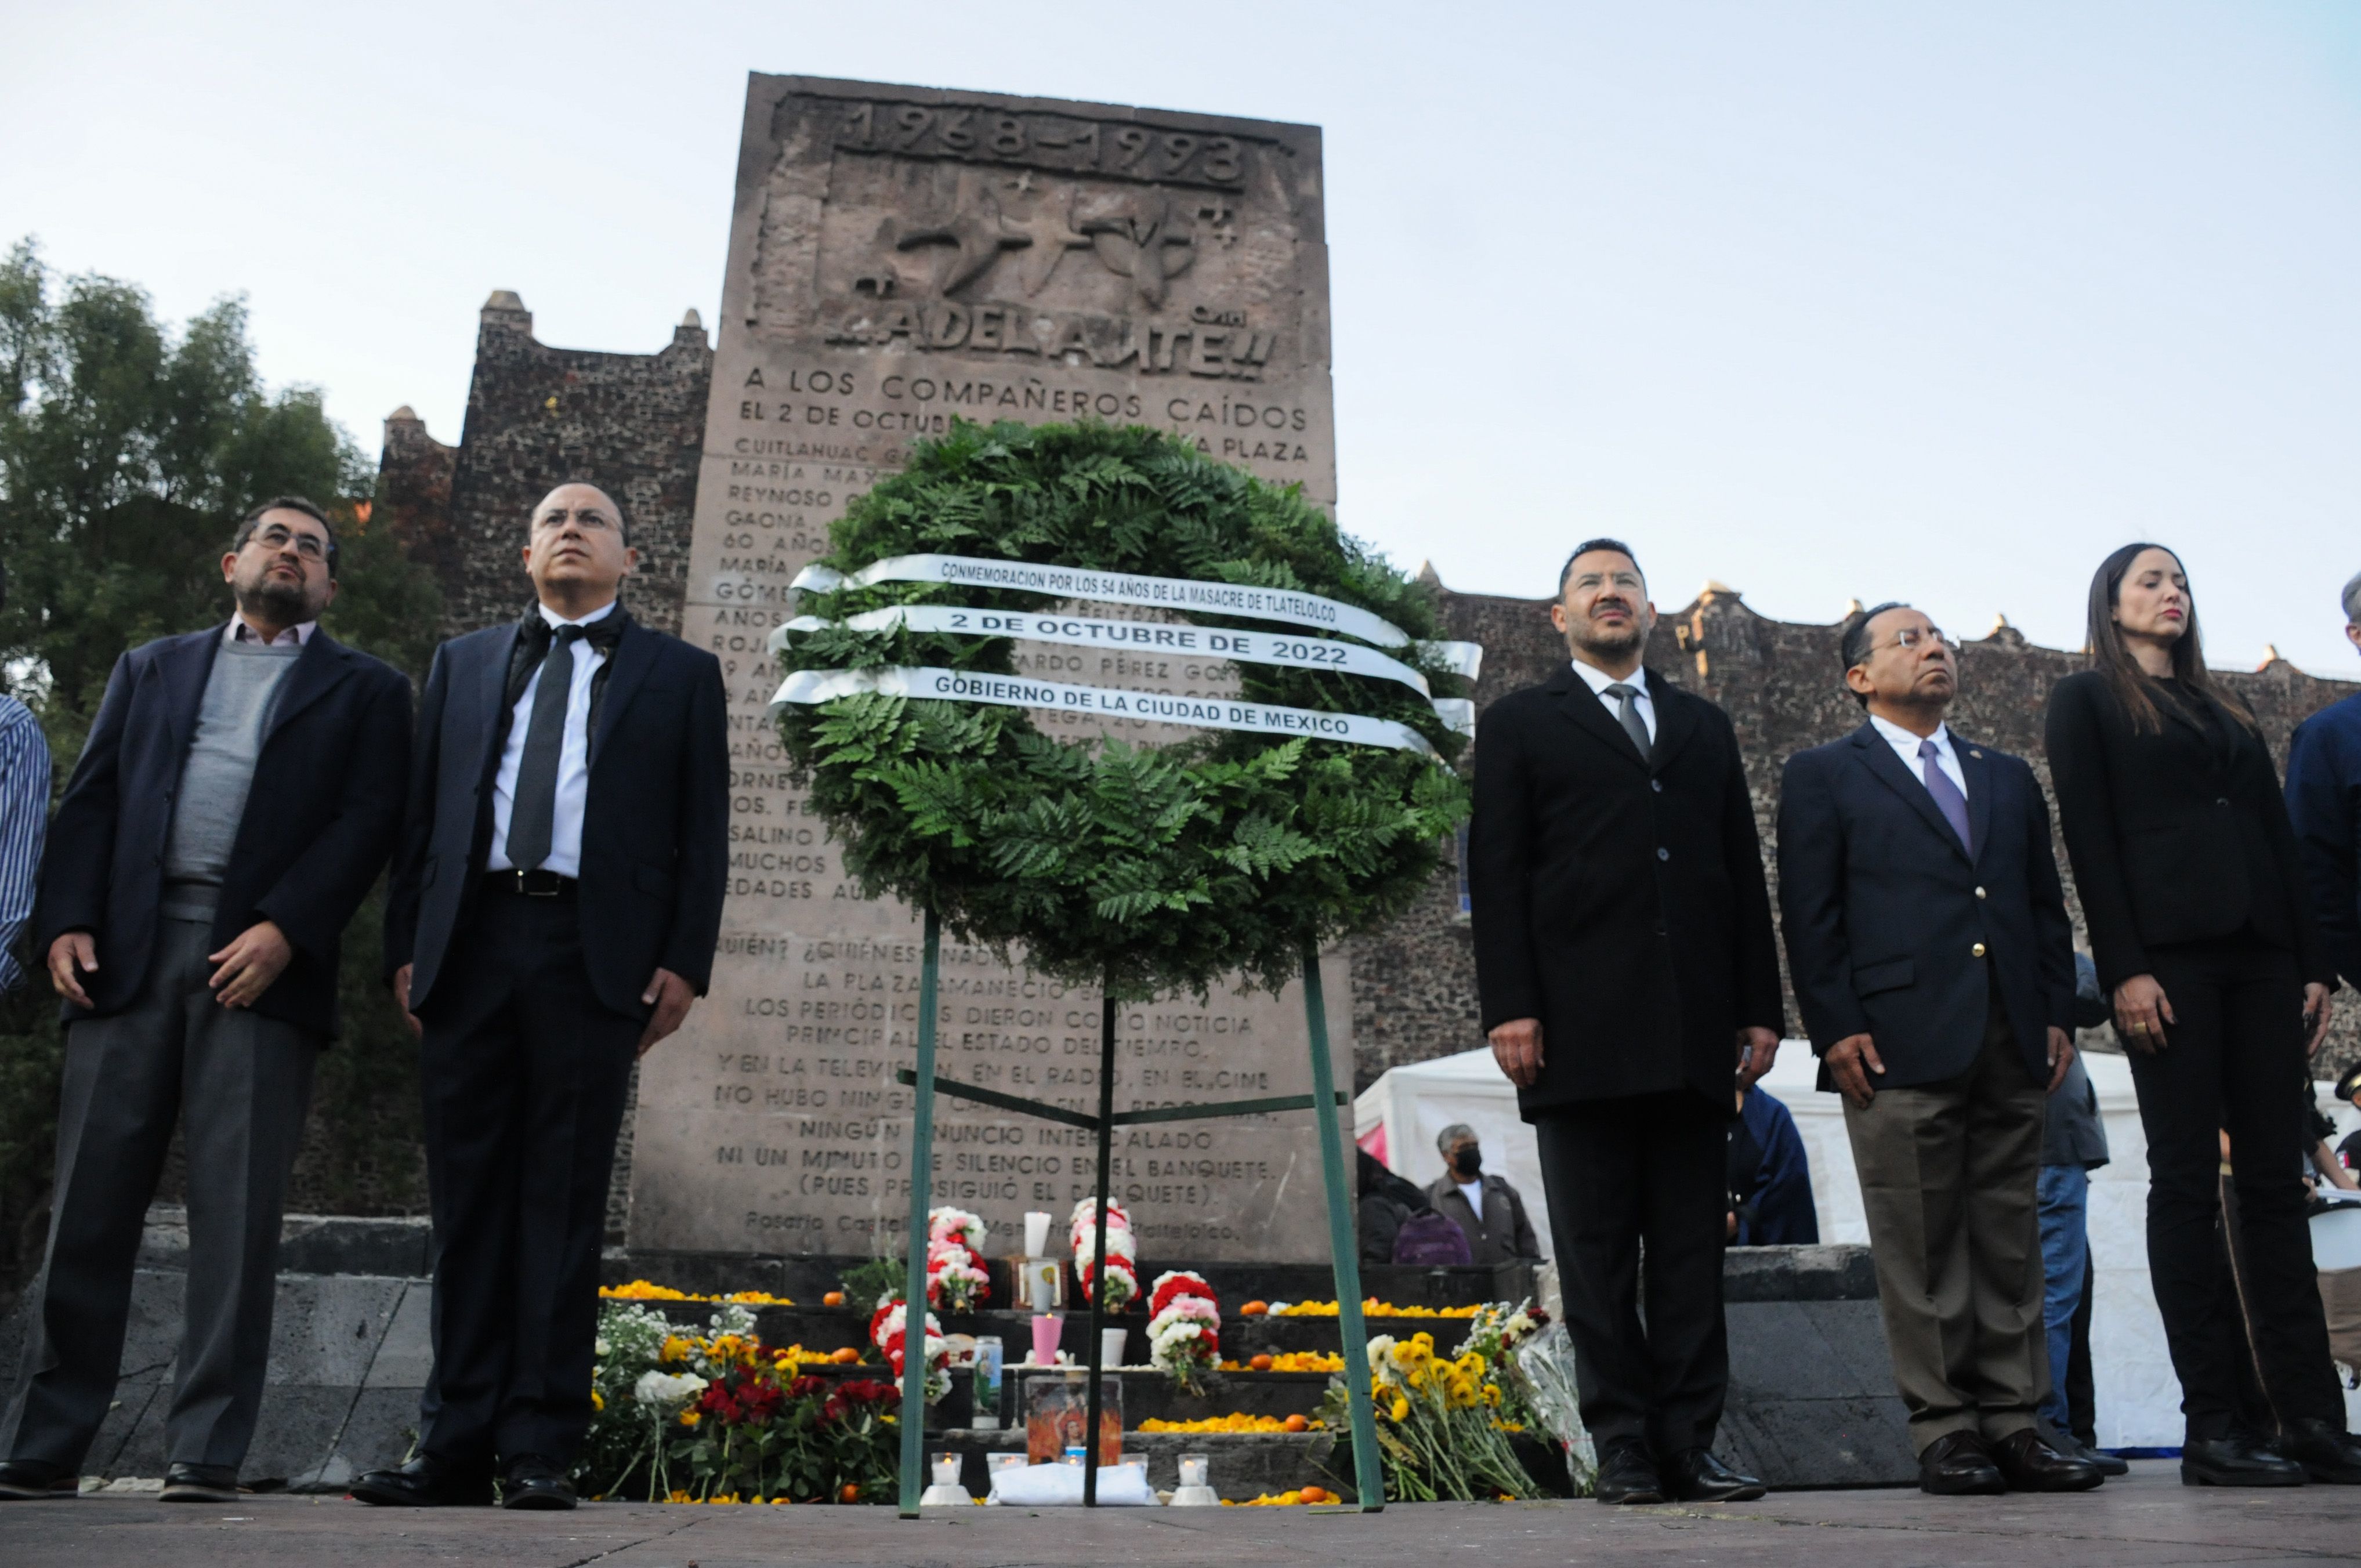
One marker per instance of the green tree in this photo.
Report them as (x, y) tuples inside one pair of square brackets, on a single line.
[(128, 452)]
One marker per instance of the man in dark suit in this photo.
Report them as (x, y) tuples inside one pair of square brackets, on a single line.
[(1928, 941), (1626, 964), (240, 789), (556, 904)]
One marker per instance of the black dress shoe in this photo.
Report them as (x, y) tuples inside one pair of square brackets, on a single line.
[(1695, 1475), (2238, 1460), (533, 1482), (1958, 1464), (2030, 1464), (201, 1484), (425, 1483), (1626, 1474), (2327, 1452), (25, 1480)]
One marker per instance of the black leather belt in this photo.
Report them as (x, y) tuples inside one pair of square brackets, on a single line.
[(531, 884)]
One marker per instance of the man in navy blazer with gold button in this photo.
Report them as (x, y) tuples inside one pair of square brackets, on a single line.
[(554, 912), (1933, 961)]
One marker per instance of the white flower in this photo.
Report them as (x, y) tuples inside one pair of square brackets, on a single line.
[(664, 1390)]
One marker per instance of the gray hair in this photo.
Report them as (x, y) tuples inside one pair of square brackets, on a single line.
[(2352, 597), (1451, 1135)]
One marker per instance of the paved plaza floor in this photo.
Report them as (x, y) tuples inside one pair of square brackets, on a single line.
[(2148, 1520)]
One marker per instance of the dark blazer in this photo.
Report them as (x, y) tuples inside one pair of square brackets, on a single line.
[(1884, 910), (1618, 900), (656, 828), (2176, 834), (320, 819), (2324, 800), (1502, 1232)]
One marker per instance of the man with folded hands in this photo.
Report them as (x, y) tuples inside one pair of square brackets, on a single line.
[(1931, 954)]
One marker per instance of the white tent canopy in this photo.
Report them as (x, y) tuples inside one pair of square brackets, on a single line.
[(2139, 1397)]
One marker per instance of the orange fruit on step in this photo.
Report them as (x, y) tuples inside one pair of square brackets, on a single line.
[(844, 1356), (1260, 1363), (1315, 1494), (833, 1298), (848, 1493), (1254, 1308), (1297, 1423)]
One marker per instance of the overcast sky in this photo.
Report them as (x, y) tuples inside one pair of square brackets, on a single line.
[(1823, 300)]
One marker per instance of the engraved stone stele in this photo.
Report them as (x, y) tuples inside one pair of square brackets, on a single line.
[(899, 256)]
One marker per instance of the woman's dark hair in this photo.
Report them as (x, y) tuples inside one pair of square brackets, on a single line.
[(2132, 685)]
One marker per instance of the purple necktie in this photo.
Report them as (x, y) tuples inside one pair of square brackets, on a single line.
[(1948, 798)]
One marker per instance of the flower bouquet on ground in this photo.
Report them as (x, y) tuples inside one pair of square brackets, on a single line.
[(956, 1278), (1438, 1424), (1544, 1362), (720, 1417), (887, 1327), (1184, 1328)]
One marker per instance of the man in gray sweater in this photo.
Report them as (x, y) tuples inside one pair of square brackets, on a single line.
[(240, 793)]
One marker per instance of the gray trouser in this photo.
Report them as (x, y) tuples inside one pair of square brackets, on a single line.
[(240, 1085), (1947, 1179)]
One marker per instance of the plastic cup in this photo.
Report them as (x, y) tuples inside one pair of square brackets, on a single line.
[(1111, 1342), (1036, 1235), (1194, 1468)]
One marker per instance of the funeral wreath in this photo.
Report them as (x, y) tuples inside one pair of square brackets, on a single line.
[(1310, 805)]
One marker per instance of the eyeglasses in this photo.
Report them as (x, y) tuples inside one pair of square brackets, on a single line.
[(1911, 636), (278, 536)]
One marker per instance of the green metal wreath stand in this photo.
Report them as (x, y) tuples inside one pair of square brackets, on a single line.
[(1369, 1479)]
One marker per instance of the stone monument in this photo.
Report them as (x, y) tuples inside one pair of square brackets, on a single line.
[(898, 257)]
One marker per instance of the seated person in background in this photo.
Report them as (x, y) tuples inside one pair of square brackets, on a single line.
[(1485, 1208), (1770, 1177), (1386, 1200)]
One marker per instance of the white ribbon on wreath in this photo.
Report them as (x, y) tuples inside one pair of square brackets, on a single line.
[(1101, 702)]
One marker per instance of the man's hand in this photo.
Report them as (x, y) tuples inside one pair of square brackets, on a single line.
[(2062, 1056), (255, 956), (1757, 1048), (401, 998), (2316, 1008), (72, 956), (670, 995), (2141, 1013), (1846, 1061), (1516, 1047)]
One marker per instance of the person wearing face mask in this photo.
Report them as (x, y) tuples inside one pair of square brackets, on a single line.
[(1487, 1211), (2193, 888)]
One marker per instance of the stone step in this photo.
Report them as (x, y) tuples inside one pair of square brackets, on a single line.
[(1811, 1396)]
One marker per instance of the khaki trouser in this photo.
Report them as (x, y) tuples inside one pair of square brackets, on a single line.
[(2339, 1295), (1948, 1173)]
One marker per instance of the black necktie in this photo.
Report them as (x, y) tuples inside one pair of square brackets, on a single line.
[(1629, 717), (533, 812)]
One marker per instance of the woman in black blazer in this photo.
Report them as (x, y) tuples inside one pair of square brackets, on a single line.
[(2186, 869)]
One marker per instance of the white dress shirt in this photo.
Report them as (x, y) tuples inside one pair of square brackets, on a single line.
[(1637, 680), (1905, 746), (573, 758), (295, 636)]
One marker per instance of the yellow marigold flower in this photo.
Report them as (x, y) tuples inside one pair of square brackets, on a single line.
[(1400, 1412), (597, 1403), (675, 1348), (690, 1418)]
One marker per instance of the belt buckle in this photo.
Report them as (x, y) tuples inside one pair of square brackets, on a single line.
[(538, 883)]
